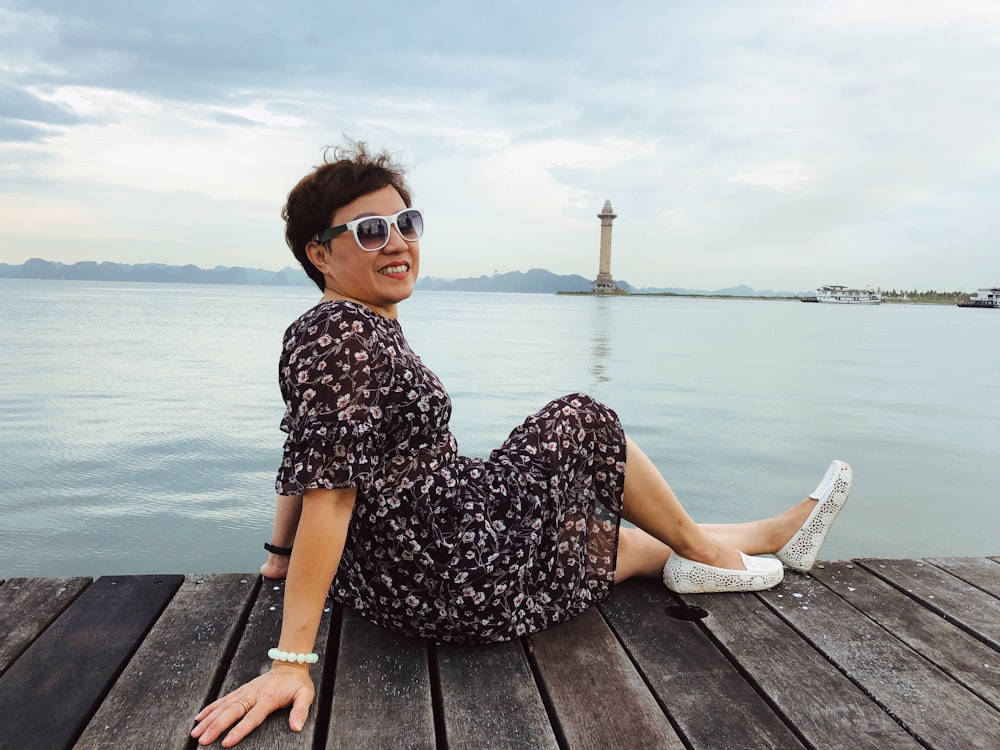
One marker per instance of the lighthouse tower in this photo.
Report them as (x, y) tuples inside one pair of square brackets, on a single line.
[(604, 284)]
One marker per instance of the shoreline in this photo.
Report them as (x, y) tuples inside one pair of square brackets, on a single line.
[(764, 298)]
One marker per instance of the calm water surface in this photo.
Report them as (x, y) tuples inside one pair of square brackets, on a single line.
[(138, 422)]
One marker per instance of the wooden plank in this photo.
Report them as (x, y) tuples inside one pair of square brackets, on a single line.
[(689, 674), (825, 708), (981, 572), (382, 691), (966, 659), (969, 607), (597, 696), (28, 606), (489, 699), (48, 694), (175, 666), (260, 634), (930, 705)]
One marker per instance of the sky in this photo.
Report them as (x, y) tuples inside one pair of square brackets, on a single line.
[(783, 145)]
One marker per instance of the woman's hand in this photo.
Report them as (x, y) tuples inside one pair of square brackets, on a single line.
[(284, 685)]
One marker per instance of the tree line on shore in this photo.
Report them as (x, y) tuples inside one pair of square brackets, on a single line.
[(930, 296)]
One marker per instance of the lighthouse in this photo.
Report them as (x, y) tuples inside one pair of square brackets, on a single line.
[(604, 284)]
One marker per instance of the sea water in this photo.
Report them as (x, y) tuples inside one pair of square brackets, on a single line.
[(139, 422)]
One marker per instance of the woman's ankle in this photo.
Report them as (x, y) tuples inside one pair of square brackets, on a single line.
[(785, 526), (713, 553)]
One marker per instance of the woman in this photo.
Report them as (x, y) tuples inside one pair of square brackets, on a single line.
[(426, 542)]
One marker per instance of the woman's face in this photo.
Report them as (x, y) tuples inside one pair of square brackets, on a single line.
[(379, 279)]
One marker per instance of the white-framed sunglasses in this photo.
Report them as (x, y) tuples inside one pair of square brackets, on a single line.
[(372, 232)]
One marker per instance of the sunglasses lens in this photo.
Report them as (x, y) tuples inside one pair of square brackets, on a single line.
[(411, 224), (373, 233)]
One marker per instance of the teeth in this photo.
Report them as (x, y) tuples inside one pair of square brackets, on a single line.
[(401, 268)]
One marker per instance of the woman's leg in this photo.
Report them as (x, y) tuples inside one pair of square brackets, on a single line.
[(664, 526), (639, 554), (286, 521)]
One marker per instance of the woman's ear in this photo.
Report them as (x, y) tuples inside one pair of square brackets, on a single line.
[(317, 253)]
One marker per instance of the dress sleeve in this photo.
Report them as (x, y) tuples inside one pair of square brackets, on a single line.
[(334, 375)]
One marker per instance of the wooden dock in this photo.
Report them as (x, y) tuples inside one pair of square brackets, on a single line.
[(861, 654)]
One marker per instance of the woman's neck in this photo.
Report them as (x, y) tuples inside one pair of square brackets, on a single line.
[(385, 312)]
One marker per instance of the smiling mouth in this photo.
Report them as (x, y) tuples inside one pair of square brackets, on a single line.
[(395, 269)]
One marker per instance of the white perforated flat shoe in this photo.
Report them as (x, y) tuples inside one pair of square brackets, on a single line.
[(689, 577), (802, 549)]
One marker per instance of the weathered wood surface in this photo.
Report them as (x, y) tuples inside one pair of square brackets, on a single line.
[(863, 654), (53, 689), (614, 708), (964, 658), (969, 607), (489, 697), (981, 572), (28, 606), (936, 709), (826, 708), (710, 701), (173, 671), (382, 690)]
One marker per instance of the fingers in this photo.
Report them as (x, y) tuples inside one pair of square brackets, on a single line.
[(300, 711), (219, 716), (209, 708), (247, 724)]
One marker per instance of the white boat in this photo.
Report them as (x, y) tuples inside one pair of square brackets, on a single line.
[(984, 298), (841, 295)]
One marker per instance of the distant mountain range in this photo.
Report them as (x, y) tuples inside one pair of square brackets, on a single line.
[(89, 270), (540, 280), (536, 280)]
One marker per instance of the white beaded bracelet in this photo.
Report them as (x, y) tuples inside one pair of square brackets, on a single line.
[(288, 656)]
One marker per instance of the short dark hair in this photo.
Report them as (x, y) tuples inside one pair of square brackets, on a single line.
[(351, 173)]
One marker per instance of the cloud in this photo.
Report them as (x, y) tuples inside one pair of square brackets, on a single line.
[(24, 104), (17, 131), (777, 176), (762, 144)]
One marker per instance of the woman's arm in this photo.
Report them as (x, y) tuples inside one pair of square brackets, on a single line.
[(287, 509), (319, 544)]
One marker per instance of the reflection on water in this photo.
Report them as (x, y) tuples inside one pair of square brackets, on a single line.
[(138, 422), (601, 340)]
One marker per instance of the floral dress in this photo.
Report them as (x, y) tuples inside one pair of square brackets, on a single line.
[(441, 545)]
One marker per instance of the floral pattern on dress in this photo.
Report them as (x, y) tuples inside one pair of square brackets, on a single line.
[(442, 545)]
